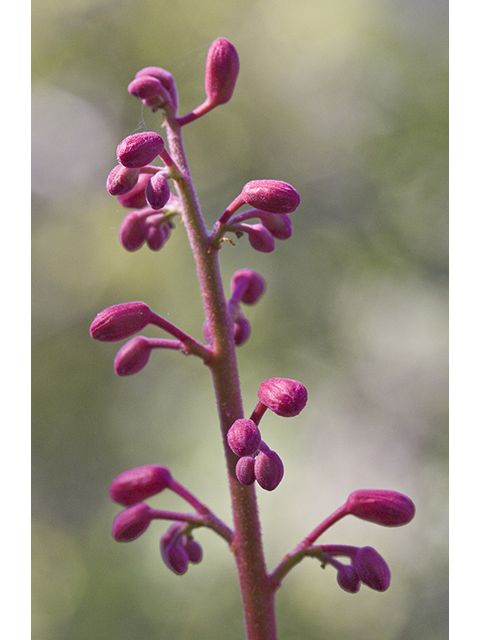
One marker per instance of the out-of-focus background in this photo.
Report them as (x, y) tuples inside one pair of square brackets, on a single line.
[(346, 101)]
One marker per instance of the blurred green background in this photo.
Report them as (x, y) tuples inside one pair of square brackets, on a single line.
[(347, 101)]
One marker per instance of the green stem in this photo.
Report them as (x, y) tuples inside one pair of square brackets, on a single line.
[(257, 592)]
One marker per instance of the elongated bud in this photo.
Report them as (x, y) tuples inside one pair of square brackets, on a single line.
[(121, 180), (279, 224), (245, 470), (388, 508), (372, 569), (157, 191), (273, 196), (136, 485), (145, 87), (283, 396), (194, 551), (348, 579), (132, 357), (259, 237), (140, 149), (131, 523), (268, 469), (120, 321), (244, 437), (221, 71), (156, 235), (173, 552), (166, 79), (252, 284), (132, 231), (241, 329), (135, 198)]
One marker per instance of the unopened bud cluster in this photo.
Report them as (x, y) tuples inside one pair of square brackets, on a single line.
[(178, 549)]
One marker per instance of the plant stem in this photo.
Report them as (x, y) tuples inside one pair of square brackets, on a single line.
[(257, 593)]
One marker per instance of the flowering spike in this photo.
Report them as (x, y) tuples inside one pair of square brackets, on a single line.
[(251, 283), (245, 470), (157, 191), (121, 180), (221, 72), (372, 569), (244, 437), (132, 357), (283, 396), (268, 468), (120, 321), (273, 196), (136, 485), (388, 508), (131, 522), (139, 149)]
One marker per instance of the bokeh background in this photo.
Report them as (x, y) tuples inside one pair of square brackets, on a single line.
[(347, 101)]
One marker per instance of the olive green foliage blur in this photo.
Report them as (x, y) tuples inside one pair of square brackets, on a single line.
[(347, 102)]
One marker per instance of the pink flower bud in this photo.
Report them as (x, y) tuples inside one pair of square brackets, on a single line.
[(273, 196), (120, 321), (157, 191), (140, 149), (268, 469), (372, 569), (245, 470), (176, 558), (194, 551), (259, 237), (135, 198), (166, 79), (254, 285), (136, 485), (221, 71), (145, 87), (121, 180), (131, 523), (388, 508), (283, 396), (279, 224), (348, 579), (244, 437), (132, 357), (241, 329), (132, 231), (156, 235)]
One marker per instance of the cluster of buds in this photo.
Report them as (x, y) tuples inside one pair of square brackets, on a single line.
[(178, 548), (257, 461)]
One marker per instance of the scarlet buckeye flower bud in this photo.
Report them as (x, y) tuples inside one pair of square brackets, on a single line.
[(132, 231), (157, 191), (136, 485), (372, 569), (145, 87), (268, 469), (241, 329), (348, 579), (259, 237), (273, 196), (194, 551), (244, 437), (279, 224), (132, 357), (120, 321), (283, 396), (139, 149), (245, 470), (132, 522), (135, 198), (252, 283), (388, 508), (121, 180), (221, 71)]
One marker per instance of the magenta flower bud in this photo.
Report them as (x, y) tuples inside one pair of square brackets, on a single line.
[(254, 287), (283, 396), (136, 485), (244, 437), (132, 231), (279, 224), (132, 522), (241, 329), (348, 579), (140, 149), (221, 71), (145, 87), (273, 196), (135, 198), (268, 469), (165, 78), (177, 558), (245, 470), (120, 321), (372, 569), (388, 508), (156, 235), (194, 551), (259, 237), (157, 191), (132, 357), (121, 180)]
